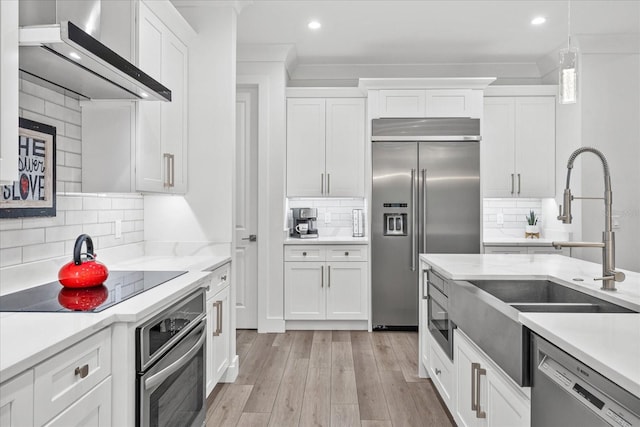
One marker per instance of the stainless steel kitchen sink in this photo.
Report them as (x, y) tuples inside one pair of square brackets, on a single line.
[(546, 296), (487, 311)]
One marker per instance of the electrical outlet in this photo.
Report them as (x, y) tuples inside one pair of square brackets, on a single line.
[(327, 218), (118, 228), (615, 219), (499, 218)]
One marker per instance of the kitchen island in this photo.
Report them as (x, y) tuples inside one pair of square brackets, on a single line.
[(609, 343)]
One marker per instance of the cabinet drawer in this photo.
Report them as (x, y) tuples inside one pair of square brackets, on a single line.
[(347, 253), (440, 371), (304, 253), (93, 409), (71, 374), (220, 278)]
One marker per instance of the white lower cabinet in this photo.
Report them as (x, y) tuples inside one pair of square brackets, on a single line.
[(16, 401), (484, 396), (323, 288), (441, 372), (93, 409), (71, 388), (218, 327)]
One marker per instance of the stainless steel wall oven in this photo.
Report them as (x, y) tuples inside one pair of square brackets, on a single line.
[(439, 323), (170, 366)]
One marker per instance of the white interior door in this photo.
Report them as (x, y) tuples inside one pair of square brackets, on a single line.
[(246, 208)]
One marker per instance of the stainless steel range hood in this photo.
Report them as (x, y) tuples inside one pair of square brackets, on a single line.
[(68, 57)]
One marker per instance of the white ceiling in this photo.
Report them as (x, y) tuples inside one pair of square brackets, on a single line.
[(429, 31)]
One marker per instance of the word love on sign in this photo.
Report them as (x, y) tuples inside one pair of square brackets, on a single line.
[(33, 194)]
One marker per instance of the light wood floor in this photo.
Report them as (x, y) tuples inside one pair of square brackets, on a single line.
[(327, 378)]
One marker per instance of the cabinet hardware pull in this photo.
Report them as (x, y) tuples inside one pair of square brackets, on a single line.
[(346, 254), (518, 183), (328, 183), (438, 371), (414, 222), (218, 306), (474, 404), (512, 183), (322, 276), (223, 278), (479, 412), (167, 165), (424, 210), (82, 372), (329, 276), (304, 254), (321, 183)]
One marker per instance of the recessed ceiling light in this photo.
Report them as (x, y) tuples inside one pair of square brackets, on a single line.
[(144, 94), (75, 56), (538, 20), (314, 25)]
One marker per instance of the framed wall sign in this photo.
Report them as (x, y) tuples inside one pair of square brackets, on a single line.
[(34, 193)]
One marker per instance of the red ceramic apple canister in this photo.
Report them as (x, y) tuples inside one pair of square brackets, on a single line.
[(85, 271)]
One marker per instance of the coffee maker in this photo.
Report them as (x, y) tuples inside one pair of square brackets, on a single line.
[(303, 223)]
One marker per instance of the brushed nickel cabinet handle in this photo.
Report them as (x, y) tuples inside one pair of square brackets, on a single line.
[(329, 276), (328, 183), (167, 169), (321, 183), (322, 276), (304, 254), (512, 183), (518, 183), (474, 404), (346, 253), (479, 412), (82, 371), (438, 371), (217, 305)]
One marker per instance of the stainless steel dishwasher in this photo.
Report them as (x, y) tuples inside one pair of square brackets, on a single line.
[(566, 392)]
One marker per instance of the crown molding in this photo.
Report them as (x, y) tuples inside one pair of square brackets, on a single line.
[(426, 83)]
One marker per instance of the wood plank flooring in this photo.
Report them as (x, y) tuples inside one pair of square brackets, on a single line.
[(327, 378)]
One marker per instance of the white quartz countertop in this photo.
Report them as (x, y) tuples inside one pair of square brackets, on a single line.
[(609, 343), (516, 241), (29, 338), (328, 240)]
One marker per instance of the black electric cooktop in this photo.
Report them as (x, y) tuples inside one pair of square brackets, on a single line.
[(53, 297)]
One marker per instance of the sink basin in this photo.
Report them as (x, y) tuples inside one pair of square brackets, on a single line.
[(546, 296)]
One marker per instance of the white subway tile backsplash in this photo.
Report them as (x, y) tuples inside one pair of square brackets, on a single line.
[(340, 209), (73, 131), (69, 145), (40, 222), (123, 203), (73, 187), (73, 160), (513, 212), (65, 174), (133, 215), (67, 203), (98, 229), (81, 217), (110, 216), (62, 113), (10, 224), (19, 238), (74, 104), (10, 256), (41, 118), (65, 232), (31, 103), (41, 92), (97, 203), (43, 251)]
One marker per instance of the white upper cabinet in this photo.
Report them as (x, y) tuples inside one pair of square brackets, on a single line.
[(518, 147), (8, 91), (325, 147), (147, 140), (430, 103)]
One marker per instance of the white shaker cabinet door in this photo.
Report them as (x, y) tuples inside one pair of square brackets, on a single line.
[(304, 297), (93, 409), (402, 103), (220, 333), (505, 407), (345, 129), (346, 290), (498, 147), (535, 156), (306, 147), (16, 401)]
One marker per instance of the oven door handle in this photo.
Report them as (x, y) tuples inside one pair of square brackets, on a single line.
[(156, 379)]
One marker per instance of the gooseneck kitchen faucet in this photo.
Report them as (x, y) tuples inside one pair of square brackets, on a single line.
[(608, 244)]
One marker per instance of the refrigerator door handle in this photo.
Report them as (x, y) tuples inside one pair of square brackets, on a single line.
[(413, 219), (424, 210)]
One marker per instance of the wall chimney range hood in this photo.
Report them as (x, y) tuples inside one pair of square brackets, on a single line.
[(67, 57)]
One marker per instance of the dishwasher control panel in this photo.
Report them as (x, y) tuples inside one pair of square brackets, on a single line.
[(596, 400)]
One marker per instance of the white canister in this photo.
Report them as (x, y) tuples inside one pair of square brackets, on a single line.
[(358, 223)]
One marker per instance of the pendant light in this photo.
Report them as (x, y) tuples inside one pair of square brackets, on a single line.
[(568, 74)]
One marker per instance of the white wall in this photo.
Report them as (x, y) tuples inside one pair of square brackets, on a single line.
[(610, 99), (204, 214)]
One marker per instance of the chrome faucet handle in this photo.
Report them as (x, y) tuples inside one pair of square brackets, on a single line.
[(617, 276), (560, 216)]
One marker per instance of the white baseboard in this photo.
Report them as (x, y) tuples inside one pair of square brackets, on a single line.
[(323, 325), (231, 373)]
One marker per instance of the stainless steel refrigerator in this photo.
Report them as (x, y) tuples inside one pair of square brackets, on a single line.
[(426, 199)]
